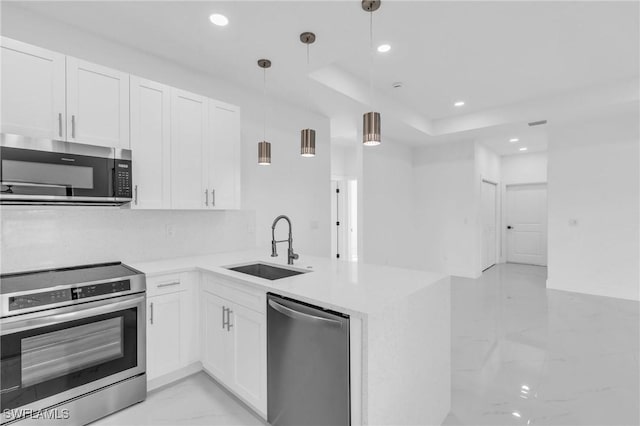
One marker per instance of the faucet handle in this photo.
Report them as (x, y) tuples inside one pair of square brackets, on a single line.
[(295, 256)]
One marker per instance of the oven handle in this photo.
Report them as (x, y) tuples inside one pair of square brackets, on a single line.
[(68, 313)]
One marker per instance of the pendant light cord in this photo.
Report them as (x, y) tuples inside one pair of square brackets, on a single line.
[(307, 82), (371, 59), (264, 104)]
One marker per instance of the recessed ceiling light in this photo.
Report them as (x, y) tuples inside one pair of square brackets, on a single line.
[(459, 103), (218, 19), (514, 140), (524, 148), (383, 48)]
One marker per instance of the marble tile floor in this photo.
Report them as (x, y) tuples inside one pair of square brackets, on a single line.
[(194, 400), (525, 355), (521, 355)]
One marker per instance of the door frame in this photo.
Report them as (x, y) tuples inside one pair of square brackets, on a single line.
[(503, 213), (498, 221)]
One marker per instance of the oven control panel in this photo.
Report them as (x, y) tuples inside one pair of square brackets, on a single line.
[(54, 297)]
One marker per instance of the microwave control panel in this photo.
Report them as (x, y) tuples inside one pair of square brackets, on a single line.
[(122, 179), (67, 295)]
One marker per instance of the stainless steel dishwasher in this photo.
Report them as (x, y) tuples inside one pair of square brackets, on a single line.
[(308, 365)]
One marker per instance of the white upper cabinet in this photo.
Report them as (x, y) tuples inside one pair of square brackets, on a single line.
[(224, 155), (33, 91), (97, 104), (188, 138), (150, 144)]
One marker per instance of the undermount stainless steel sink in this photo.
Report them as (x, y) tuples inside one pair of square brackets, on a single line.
[(262, 270)]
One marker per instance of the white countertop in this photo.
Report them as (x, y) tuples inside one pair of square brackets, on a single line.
[(348, 287)]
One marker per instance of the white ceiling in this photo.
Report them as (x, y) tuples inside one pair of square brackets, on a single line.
[(492, 55)]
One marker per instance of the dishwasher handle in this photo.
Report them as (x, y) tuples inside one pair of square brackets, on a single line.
[(292, 313)]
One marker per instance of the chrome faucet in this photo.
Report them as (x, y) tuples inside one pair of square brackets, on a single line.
[(290, 254)]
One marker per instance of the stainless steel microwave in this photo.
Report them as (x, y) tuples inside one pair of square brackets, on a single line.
[(50, 172)]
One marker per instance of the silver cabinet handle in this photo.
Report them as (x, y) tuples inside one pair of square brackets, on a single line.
[(135, 197), (206, 197), (60, 124), (229, 325), (151, 316), (73, 126), (168, 284), (224, 322), (213, 198)]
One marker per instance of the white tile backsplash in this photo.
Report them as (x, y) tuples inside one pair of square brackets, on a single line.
[(39, 237)]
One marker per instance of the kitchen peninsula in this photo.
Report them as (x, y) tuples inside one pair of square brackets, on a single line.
[(399, 329)]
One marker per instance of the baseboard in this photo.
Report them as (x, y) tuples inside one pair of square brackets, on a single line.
[(161, 381)]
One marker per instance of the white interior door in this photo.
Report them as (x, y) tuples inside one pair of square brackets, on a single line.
[(489, 224), (527, 224)]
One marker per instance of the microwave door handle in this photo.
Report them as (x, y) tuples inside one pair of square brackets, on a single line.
[(71, 313), (46, 185)]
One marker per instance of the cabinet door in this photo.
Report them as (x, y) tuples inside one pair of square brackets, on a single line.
[(165, 333), (250, 355), (33, 91), (188, 133), (224, 155), (216, 340), (150, 144), (97, 104)]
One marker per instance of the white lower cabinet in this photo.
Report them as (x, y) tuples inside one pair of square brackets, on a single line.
[(216, 339), (248, 348), (171, 324), (220, 323), (234, 345)]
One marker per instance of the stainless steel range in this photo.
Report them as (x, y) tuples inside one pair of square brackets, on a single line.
[(73, 343)]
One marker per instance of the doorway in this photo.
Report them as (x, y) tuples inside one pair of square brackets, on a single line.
[(526, 223), (344, 218), (489, 199)]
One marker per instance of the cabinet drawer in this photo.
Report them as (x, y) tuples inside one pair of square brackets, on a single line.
[(235, 292), (169, 283)]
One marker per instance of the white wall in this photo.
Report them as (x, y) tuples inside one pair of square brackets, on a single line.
[(446, 208), (389, 224), (40, 238), (594, 207), (292, 185), (524, 168)]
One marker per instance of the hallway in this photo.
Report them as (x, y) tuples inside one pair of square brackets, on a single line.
[(522, 354)]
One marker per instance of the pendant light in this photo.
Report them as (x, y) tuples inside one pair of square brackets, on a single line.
[(264, 147), (371, 120), (308, 136)]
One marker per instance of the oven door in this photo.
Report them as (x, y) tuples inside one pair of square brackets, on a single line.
[(55, 355)]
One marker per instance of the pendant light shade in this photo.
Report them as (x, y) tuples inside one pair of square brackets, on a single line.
[(371, 129), (264, 153), (371, 120), (308, 143), (264, 147)]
